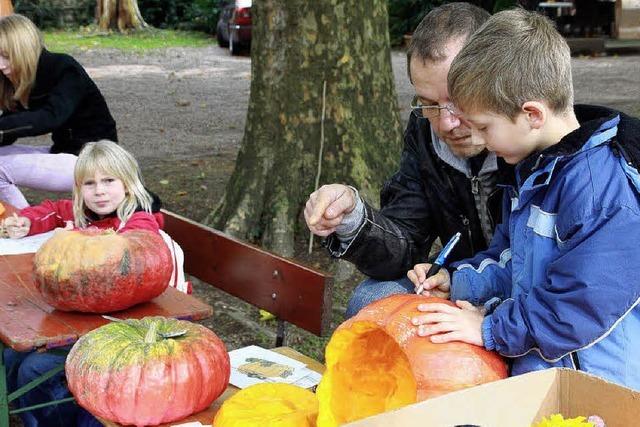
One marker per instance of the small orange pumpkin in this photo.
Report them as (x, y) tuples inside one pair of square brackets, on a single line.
[(269, 405), (376, 362)]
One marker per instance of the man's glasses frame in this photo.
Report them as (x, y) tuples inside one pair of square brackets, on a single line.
[(432, 111)]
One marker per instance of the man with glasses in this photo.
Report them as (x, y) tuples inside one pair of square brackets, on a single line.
[(445, 183)]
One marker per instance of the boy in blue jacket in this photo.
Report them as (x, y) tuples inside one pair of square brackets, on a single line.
[(559, 285)]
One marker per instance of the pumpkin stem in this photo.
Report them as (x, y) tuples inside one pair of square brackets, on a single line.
[(152, 333)]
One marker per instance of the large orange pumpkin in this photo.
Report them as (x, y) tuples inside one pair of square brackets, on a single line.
[(99, 271), (147, 372), (376, 362)]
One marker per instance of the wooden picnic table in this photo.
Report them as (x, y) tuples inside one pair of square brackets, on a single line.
[(28, 323), (206, 417)]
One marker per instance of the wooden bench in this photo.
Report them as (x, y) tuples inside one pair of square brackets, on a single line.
[(290, 291)]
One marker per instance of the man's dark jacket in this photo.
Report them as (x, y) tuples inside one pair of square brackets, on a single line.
[(426, 199), (64, 101)]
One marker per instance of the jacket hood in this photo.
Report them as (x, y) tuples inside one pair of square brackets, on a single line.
[(591, 117)]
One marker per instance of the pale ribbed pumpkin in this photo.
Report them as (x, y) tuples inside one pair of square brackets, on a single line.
[(99, 271), (376, 362), (134, 373), (269, 405)]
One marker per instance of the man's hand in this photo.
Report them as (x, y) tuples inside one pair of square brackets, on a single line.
[(443, 323), (438, 285), (17, 226), (326, 208)]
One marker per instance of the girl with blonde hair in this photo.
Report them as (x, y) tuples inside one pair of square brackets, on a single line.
[(108, 192), (43, 92)]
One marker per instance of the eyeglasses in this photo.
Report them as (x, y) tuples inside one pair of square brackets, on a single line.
[(431, 111)]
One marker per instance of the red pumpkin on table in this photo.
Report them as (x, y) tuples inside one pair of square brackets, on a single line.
[(99, 271), (376, 362), (147, 372)]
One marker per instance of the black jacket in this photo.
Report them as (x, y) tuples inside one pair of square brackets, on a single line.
[(426, 199), (64, 101)]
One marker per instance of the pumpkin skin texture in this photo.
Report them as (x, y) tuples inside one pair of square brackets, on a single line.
[(99, 271), (269, 405), (376, 362), (119, 373)]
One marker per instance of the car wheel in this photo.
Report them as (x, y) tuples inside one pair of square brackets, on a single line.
[(234, 48), (221, 40)]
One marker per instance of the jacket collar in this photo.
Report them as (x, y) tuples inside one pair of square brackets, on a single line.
[(43, 71), (445, 154), (592, 119), (156, 205)]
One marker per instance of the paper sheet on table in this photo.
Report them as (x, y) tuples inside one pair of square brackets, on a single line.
[(191, 424), (311, 379), (26, 245), (253, 365)]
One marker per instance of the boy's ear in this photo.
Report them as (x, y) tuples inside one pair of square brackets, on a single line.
[(535, 113)]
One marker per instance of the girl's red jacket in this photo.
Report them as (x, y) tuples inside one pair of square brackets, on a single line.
[(50, 214)]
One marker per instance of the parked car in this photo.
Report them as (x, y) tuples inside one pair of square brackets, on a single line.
[(234, 25)]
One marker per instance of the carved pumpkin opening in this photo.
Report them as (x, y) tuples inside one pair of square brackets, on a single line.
[(371, 369), (376, 362)]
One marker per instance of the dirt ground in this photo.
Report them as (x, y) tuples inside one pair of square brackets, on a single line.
[(182, 113)]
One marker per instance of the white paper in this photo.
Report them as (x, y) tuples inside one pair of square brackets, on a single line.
[(311, 379), (253, 365), (26, 245)]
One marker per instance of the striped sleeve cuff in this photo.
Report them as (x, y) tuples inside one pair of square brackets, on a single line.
[(487, 334)]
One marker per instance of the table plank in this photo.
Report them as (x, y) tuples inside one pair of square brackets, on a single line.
[(206, 417), (27, 322)]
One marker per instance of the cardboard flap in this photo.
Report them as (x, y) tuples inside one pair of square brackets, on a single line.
[(519, 402)]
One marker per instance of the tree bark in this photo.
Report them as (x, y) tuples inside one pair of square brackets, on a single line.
[(6, 7), (297, 45), (121, 15)]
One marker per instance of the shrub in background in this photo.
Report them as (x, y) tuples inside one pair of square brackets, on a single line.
[(200, 15), (57, 13), (405, 15)]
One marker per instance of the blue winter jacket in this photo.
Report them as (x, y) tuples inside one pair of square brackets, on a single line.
[(565, 262)]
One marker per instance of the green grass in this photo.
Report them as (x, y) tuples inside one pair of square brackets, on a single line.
[(83, 38)]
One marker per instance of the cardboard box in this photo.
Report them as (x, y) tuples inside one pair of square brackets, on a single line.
[(519, 402)]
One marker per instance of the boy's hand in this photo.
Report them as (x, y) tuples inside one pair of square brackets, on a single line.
[(444, 323), (17, 226), (438, 285)]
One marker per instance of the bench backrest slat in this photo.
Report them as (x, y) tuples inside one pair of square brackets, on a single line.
[(290, 291)]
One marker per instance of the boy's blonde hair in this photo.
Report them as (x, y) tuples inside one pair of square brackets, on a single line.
[(515, 57), (110, 159), (21, 42)]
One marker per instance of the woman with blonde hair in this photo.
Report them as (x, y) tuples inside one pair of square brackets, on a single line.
[(43, 92)]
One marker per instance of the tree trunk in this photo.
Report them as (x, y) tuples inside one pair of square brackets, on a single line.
[(6, 8), (121, 15), (297, 45)]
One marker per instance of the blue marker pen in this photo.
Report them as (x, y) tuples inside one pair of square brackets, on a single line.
[(441, 259)]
